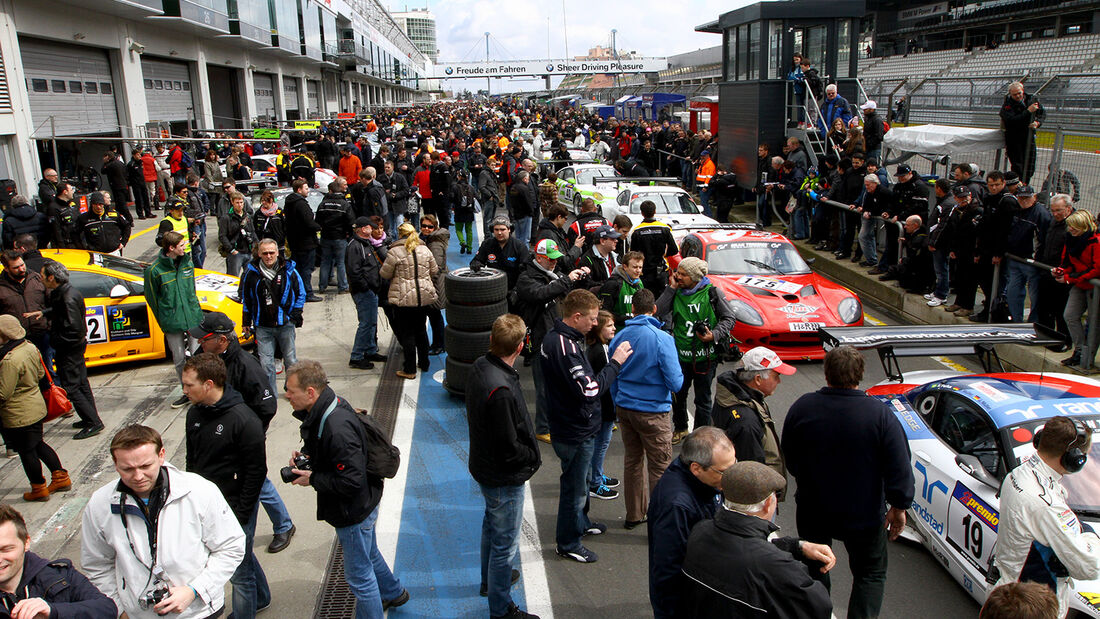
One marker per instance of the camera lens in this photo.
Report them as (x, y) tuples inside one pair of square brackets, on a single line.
[(288, 474)]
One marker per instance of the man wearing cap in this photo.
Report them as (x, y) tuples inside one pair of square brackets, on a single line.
[(601, 259), (873, 129), (245, 375), (175, 219), (699, 317), (365, 281), (585, 224), (959, 238), (702, 180), (1027, 231), (731, 564), (22, 218), (101, 228), (741, 412), (503, 251), (840, 432), (687, 494)]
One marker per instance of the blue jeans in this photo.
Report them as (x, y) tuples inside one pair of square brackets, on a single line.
[(1019, 276), (941, 263), (542, 401), (198, 245), (265, 346), (703, 382), (275, 508), (250, 588), (303, 264), (365, 571), (800, 221), (603, 439), (867, 232), (576, 458), (763, 210), (704, 201), (366, 336), (393, 220), (332, 254), (500, 543), (523, 230), (234, 263)]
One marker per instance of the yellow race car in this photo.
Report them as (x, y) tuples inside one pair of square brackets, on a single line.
[(120, 325)]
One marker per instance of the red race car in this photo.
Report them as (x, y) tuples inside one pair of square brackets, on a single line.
[(778, 301)]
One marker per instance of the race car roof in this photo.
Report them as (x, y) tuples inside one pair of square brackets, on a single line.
[(1011, 398)]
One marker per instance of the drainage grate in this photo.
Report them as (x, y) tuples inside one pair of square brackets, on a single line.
[(336, 601)]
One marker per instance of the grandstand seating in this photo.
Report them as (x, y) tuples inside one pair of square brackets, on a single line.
[(1039, 56), (925, 64)]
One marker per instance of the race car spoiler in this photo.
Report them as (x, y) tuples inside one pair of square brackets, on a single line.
[(893, 341), (636, 179), (690, 227)]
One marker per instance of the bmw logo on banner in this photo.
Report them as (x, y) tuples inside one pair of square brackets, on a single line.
[(448, 70), (549, 67)]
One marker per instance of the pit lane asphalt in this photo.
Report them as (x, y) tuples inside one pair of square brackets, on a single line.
[(427, 531)]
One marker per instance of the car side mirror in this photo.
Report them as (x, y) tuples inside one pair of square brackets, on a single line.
[(811, 260), (118, 291), (973, 467)]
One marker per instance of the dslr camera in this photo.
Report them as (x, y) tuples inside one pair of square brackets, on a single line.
[(149, 599), (301, 463)]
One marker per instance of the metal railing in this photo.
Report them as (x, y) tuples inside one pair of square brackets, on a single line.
[(849, 209)]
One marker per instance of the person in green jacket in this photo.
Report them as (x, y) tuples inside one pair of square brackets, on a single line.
[(170, 293)]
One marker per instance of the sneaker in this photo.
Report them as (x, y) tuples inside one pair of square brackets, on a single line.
[(596, 528), (543, 437), (397, 601), (603, 492), (580, 555), (377, 357), (180, 401), (962, 312), (928, 297), (279, 366), (360, 364), (88, 432), (610, 482), (935, 301), (954, 307), (514, 612), (484, 592)]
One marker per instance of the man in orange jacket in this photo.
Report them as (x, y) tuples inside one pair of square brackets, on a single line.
[(702, 181), (350, 165)]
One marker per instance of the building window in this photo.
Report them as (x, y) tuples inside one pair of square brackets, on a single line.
[(776, 62), (148, 84), (187, 86), (91, 88), (843, 48), (76, 87), (1073, 29), (106, 88), (39, 85), (753, 57), (177, 85), (742, 51), (158, 84), (57, 85)]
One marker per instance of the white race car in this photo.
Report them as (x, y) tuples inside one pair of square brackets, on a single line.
[(674, 205), (967, 431), (577, 182)]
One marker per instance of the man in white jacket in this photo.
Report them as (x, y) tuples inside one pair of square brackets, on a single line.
[(1039, 538), (159, 540)]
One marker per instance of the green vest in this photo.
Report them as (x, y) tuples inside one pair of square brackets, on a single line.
[(624, 304), (688, 311)]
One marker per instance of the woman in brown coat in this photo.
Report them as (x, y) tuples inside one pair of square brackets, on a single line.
[(412, 268), (22, 410)]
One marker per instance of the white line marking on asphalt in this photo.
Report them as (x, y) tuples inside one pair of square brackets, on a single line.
[(944, 361), (393, 499), (535, 585), (66, 516)]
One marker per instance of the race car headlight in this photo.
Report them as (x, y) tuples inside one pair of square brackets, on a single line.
[(745, 313), (597, 196), (849, 310)]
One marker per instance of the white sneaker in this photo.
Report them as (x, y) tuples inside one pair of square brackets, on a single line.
[(935, 301), (278, 366), (929, 296)]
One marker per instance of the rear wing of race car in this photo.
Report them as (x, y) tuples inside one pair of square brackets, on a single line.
[(708, 227), (895, 341), (637, 179)]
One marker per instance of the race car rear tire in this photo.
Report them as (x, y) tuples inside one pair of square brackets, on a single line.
[(474, 317), (466, 345), (468, 287), (457, 372), (577, 203)]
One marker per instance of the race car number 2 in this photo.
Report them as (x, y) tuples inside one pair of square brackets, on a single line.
[(765, 283), (972, 527), (97, 324)]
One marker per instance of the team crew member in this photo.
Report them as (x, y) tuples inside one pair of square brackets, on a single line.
[(601, 259), (503, 251), (699, 316), (175, 219), (702, 180), (617, 293), (157, 528), (586, 223), (1039, 538), (170, 294), (61, 213), (654, 240), (102, 229)]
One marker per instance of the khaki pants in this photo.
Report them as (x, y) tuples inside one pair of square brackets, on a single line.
[(646, 436)]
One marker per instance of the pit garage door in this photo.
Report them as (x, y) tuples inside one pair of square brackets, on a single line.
[(264, 84), (290, 94), (167, 90), (73, 84), (313, 98)]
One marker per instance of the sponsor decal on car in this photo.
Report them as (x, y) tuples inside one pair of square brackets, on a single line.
[(804, 326), (129, 321), (215, 282), (972, 527), (989, 391), (767, 283), (795, 310)]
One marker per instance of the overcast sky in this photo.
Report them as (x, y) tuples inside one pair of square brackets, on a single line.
[(523, 29)]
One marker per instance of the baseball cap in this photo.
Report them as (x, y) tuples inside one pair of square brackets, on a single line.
[(96, 198), (214, 322), (1012, 178), (748, 482), (869, 105), (706, 152), (606, 232), (1025, 191), (903, 169), (761, 358), (362, 221), (960, 191), (548, 248)]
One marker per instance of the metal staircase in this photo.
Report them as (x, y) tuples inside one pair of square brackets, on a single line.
[(802, 117)]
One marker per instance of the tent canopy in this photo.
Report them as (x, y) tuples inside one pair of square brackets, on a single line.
[(943, 140)]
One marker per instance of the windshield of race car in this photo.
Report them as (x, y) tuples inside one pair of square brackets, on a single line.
[(755, 258), (667, 203), (118, 263), (586, 175)]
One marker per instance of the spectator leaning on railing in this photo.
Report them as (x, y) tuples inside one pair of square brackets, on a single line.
[(1080, 263)]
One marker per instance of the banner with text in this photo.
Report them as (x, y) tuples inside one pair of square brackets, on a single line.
[(527, 68)]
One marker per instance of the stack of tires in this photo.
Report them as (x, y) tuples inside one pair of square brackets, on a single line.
[(475, 298)]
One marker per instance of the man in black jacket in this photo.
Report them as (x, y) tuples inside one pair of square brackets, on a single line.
[(840, 430), (397, 194), (654, 239), (301, 235), (365, 281), (553, 227), (1021, 114), (135, 177), (225, 444), (585, 224), (115, 171), (503, 251), (574, 392), (1052, 296), (336, 219), (731, 565), (61, 214), (503, 456), (523, 201), (32, 586), (347, 495), (102, 229), (22, 218), (68, 336)]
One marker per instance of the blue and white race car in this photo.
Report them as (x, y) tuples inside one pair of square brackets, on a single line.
[(967, 431)]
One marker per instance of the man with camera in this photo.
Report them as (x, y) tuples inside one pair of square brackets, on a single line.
[(1039, 538), (169, 535), (334, 462), (701, 321)]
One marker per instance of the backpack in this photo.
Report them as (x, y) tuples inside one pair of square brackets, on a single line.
[(186, 161), (383, 458), (813, 80)]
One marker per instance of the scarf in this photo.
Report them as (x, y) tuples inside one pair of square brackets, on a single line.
[(267, 272), (377, 242), (702, 282), (1075, 245), (269, 212)]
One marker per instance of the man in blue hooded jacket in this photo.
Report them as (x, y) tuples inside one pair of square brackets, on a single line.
[(642, 403)]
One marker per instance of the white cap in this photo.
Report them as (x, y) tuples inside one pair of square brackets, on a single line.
[(869, 105), (761, 358)]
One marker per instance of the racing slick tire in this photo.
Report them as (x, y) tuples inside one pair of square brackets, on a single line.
[(474, 318), (466, 286), (577, 203), (465, 345), (457, 373)]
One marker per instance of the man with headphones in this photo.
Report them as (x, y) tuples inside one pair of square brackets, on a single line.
[(1039, 538)]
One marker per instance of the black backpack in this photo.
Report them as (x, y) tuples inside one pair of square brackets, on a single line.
[(383, 458)]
